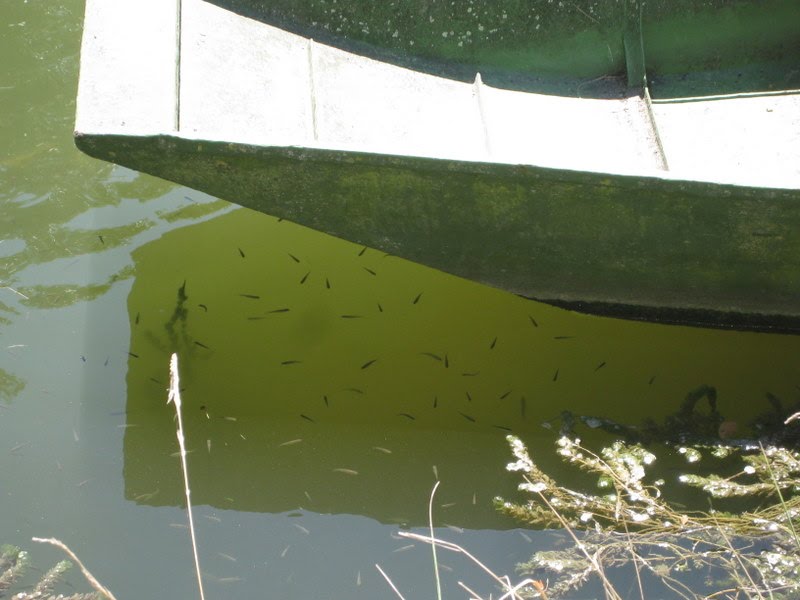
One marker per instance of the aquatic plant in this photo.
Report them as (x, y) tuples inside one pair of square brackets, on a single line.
[(626, 522), (14, 564)]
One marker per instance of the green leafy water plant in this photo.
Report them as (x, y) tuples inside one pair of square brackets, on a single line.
[(626, 522)]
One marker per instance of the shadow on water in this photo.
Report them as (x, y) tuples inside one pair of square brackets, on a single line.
[(329, 377)]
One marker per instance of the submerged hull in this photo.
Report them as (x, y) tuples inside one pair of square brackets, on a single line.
[(686, 210)]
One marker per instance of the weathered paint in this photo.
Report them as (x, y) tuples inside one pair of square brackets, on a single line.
[(556, 40), (654, 246)]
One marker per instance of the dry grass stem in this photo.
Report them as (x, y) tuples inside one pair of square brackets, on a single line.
[(89, 577), (175, 397)]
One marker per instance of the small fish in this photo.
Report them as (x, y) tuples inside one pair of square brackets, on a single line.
[(82, 483), (327, 283), (250, 296), (364, 249), (470, 374), (280, 219), (255, 318), (214, 518), (416, 299), (563, 337), (503, 427), (291, 442), (533, 321), (369, 363), (203, 306), (231, 419), (525, 536), (555, 375), (358, 579), (454, 528), (435, 472), (279, 310), (432, 355), (351, 316), (301, 528), (227, 556), (474, 498), (202, 345), (355, 390), (208, 445), (294, 258), (83, 358), (131, 354), (102, 241), (136, 321), (407, 416), (446, 362), (240, 252), (326, 400), (493, 344), (435, 401), (19, 446), (179, 525), (346, 471), (284, 551), (370, 271), (105, 364), (403, 549), (307, 418), (652, 379), (303, 280), (469, 397), (504, 395), (522, 406), (382, 449), (448, 505), (467, 417), (600, 366), (291, 362), (227, 579), (380, 308), (154, 380)]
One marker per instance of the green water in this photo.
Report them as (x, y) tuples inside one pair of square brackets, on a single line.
[(316, 432)]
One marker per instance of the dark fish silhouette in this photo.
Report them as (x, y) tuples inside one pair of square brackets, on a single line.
[(327, 283), (407, 416), (505, 395), (351, 316), (102, 241), (600, 366), (555, 376), (133, 355), (306, 417), (203, 306), (250, 296), (364, 249), (279, 310), (202, 345), (370, 271), (467, 417), (492, 345), (415, 300), (533, 321), (303, 280), (293, 257), (291, 362), (432, 355), (240, 252), (369, 363)]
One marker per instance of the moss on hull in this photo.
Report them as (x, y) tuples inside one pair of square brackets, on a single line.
[(568, 236)]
